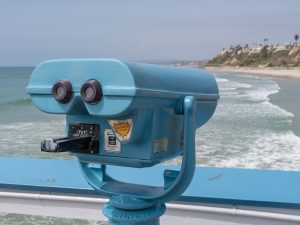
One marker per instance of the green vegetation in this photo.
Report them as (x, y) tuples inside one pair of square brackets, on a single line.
[(296, 37)]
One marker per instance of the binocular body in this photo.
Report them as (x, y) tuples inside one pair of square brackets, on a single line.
[(121, 113)]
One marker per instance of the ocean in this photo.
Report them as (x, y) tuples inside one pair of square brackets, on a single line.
[(256, 124)]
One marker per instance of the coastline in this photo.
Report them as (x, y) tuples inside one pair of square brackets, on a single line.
[(289, 82), (293, 72)]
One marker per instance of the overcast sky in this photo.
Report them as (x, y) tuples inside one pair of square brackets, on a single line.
[(34, 30)]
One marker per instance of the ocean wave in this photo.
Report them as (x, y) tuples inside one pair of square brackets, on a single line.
[(23, 139), (263, 93), (254, 89), (277, 151), (228, 85), (16, 102), (219, 80), (251, 76), (248, 130)]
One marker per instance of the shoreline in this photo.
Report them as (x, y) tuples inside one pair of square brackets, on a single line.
[(288, 96), (293, 72)]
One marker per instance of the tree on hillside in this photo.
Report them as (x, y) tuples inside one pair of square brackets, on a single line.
[(296, 37)]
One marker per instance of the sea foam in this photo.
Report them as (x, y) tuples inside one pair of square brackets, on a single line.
[(247, 129)]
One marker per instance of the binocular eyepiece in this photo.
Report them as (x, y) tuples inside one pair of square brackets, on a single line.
[(62, 91), (91, 91)]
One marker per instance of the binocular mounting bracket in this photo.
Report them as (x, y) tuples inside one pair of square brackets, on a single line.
[(141, 204)]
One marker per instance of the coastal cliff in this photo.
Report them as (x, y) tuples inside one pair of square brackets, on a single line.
[(287, 55)]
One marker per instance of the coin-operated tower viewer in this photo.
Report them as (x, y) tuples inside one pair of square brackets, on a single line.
[(126, 114)]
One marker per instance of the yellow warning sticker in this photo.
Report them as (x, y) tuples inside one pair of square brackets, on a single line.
[(122, 128)]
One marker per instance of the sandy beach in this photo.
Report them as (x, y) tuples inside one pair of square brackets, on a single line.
[(274, 71)]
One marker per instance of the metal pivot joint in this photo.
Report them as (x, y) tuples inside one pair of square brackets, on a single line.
[(144, 207)]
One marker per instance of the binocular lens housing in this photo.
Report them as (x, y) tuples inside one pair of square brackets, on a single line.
[(62, 91), (91, 91)]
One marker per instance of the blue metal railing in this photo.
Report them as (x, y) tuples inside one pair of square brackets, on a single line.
[(269, 188)]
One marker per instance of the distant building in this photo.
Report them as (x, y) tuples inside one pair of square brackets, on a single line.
[(256, 49), (240, 51), (283, 47), (223, 51)]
